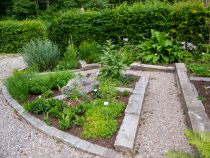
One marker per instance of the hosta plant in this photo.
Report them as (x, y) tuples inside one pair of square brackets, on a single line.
[(200, 140), (160, 48)]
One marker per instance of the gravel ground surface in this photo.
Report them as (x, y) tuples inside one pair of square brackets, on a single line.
[(162, 121), (20, 140), (161, 126)]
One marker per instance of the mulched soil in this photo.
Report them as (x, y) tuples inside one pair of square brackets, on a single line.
[(77, 130), (204, 92)]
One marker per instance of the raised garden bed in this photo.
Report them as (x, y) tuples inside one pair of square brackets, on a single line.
[(197, 117), (127, 104)]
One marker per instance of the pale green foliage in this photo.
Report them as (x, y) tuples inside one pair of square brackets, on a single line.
[(200, 140), (112, 62), (42, 53)]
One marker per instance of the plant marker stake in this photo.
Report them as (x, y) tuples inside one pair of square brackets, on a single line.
[(106, 104)]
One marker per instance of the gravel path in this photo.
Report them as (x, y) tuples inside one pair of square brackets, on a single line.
[(161, 125), (20, 140), (162, 121)]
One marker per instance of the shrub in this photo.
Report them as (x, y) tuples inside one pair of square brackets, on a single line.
[(42, 53), (70, 59), (185, 21), (112, 62), (14, 34), (161, 49), (39, 84), (90, 52), (17, 86), (97, 4)]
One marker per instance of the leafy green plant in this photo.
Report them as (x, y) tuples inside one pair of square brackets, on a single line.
[(43, 53), (47, 94), (125, 93), (66, 120), (107, 89), (97, 4), (200, 140), (90, 51), (46, 119), (41, 105), (112, 62), (201, 98), (100, 120), (70, 59), (17, 86), (200, 69), (39, 84), (161, 49), (79, 120)]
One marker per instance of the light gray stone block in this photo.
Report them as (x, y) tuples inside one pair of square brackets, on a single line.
[(135, 104), (146, 67), (206, 79), (127, 134), (194, 109)]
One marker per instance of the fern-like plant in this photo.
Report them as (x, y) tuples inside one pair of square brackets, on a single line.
[(200, 140), (41, 53)]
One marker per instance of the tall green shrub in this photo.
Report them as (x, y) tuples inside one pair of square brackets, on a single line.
[(184, 21), (14, 34)]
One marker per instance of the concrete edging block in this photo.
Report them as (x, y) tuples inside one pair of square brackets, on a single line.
[(147, 67), (197, 119)]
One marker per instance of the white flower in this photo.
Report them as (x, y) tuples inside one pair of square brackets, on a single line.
[(202, 53), (125, 39), (106, 103), (156, 54), (95, 90)]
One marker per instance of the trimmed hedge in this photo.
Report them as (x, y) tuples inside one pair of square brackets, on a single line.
[(185, 21), (14, 34)]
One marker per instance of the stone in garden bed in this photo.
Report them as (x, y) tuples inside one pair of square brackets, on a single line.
[(82, 84)]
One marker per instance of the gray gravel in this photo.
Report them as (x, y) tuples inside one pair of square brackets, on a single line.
[(161, 128), (20, 140), (162, 121)]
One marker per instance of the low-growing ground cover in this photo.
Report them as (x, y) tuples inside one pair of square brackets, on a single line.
[(200, 69)]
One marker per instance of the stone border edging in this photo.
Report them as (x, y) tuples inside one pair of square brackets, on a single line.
[(126, 136), (206, 79), (146, 67), (197, 118), (69, 139)]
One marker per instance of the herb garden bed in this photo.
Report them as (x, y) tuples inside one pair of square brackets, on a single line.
[(85, 119)]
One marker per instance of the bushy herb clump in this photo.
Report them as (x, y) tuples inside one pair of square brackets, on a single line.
[(41, 53)]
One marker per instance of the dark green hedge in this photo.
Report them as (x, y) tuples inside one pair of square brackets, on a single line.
[(14, 34), (184, 21)]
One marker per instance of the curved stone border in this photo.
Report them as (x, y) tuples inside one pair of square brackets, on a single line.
[(69, 139), (197, 118), (126, 136), (146, 67)]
